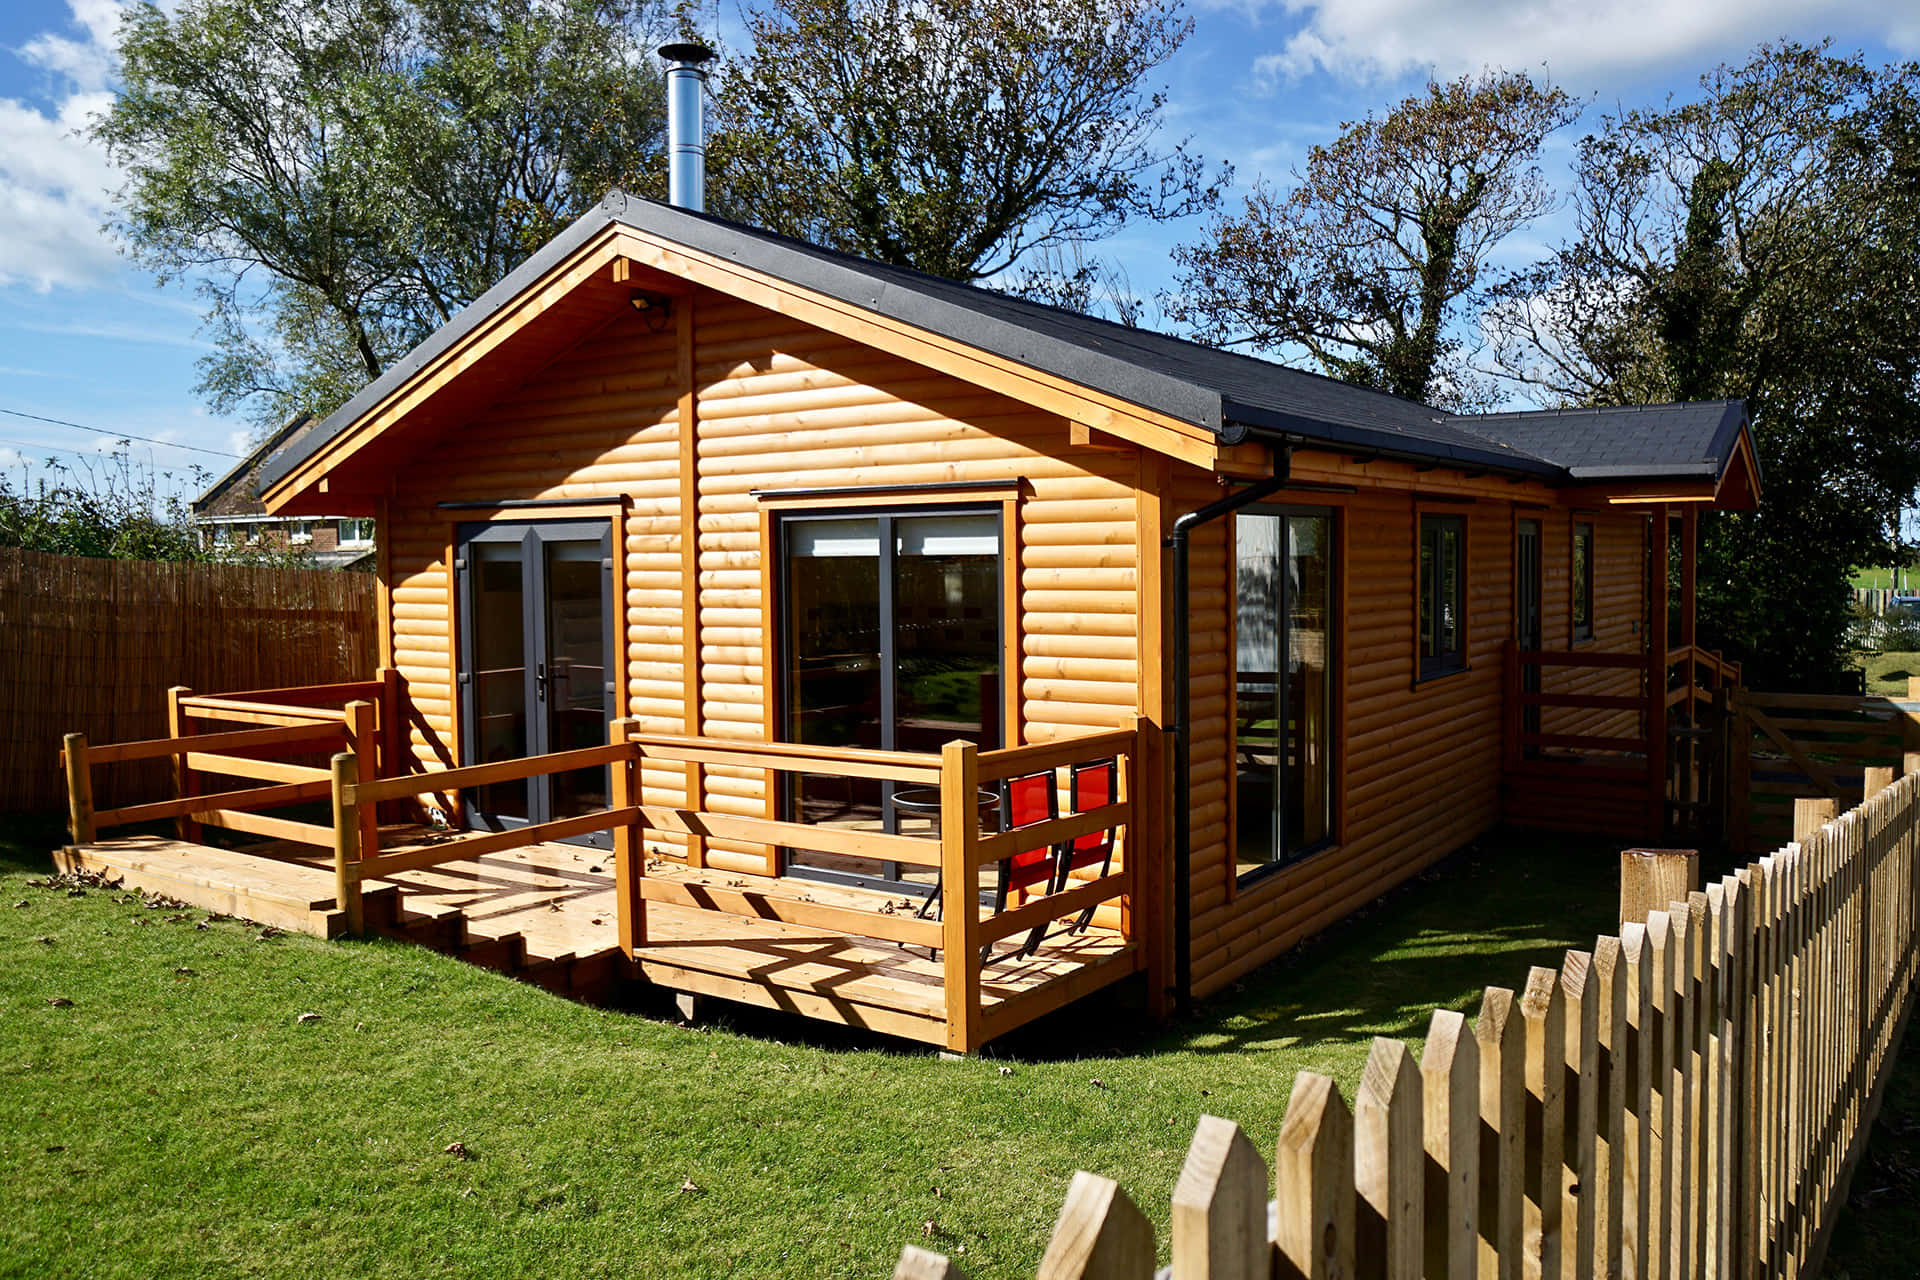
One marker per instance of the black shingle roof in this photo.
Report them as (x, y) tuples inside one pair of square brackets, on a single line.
[(1232, 395)]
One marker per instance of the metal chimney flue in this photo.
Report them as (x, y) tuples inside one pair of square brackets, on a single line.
[(686, 129)]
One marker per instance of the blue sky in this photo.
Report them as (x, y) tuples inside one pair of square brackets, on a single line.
[(88, 338)]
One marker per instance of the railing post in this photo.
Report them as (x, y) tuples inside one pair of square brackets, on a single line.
[(185, 781), (392, 726), (361, 738), (1125, 762), (346, 839), (960, 918), (629, 856), (79, 788)]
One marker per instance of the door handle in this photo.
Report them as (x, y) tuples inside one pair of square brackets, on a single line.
[(540, 682)]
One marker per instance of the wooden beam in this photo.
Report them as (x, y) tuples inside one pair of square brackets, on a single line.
[(346, 841), (959, 822), (79, 789), (1689, 575)]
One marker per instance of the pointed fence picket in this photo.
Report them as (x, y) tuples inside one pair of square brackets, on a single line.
[(1686, 1099)]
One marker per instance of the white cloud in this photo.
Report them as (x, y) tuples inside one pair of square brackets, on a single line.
[(54, 182), (1577, 42)]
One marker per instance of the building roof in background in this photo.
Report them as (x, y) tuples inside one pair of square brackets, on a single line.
[(237, 493)]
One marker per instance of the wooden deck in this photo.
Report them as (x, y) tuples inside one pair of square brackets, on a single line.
[(547, 913)]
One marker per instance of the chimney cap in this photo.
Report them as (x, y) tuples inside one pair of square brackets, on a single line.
[(686, 51)]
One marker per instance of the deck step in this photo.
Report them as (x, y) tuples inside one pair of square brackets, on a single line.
[(286, 895)]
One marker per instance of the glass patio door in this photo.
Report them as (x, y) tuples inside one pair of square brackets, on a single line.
[(536, 635), (892, 641)]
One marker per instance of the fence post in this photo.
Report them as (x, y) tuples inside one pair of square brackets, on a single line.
[(923, 1264), (1313, 1181), (1389, 1158), (1502, 1043), (1450, 1107), (1607, 992), (1650, 879), (1100, 1234), (1581, 1194), (1543, 1015), (185, 781), (79, 788), (960, 915), (1637, 1236), (1220, 1207), (629, 852), (346, 840)]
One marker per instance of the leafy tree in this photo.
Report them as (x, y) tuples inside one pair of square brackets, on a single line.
[(1760, 242), (340, 178), (953, 136), (1384, 238)]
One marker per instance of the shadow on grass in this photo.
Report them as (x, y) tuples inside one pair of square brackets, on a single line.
[(1481, 917)]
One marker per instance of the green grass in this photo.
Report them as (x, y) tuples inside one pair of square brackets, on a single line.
[(177, 1119), (1878, 579), (1887, 673)]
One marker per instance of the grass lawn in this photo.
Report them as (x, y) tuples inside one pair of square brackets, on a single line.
[(178, 1118), (1887, 673)]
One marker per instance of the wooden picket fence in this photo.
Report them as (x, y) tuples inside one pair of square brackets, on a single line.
[(1687, 1099)]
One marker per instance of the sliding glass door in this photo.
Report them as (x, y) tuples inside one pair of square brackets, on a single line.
[(892, 641), (1283, 686), (536, 604)]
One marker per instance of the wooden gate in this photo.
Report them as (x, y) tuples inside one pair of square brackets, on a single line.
[(1791, 745)]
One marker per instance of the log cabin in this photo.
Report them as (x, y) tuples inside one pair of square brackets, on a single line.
[(741, 601), (740, 494)]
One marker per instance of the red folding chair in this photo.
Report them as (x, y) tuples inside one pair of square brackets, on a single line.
[(1089, 786)]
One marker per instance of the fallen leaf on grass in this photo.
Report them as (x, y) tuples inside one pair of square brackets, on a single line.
[(1006, 1071), (691, 1188), (44, 941), (267, 934), (185, 972), (930, 1228), (60, 1002), (307, 1017), (458, 1150), (23, 903)]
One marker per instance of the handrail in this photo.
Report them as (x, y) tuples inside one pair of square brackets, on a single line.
[(479, 775), (307, 695), (212, 708)]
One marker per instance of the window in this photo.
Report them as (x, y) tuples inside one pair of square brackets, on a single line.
[(356, 533), (301, 531), (1443, 595), (1283, 686), (1582, 581), (891, 640)]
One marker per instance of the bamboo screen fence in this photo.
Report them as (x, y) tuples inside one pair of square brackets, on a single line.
[(1685, 1100), (91, 646)]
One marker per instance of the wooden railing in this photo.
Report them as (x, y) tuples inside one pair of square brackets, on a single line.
[(956, 855), (1687, 1099), (366, 774), (282, 723), (1784, 746)]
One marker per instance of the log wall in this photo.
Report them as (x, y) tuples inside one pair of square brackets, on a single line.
[(777, 404), (1417, 763)]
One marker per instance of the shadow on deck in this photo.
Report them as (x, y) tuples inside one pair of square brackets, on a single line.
[(547, 914)]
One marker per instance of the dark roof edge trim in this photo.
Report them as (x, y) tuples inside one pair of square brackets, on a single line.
[(1332, 437)]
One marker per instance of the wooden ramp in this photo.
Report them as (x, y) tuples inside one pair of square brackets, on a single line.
[(546, 913)]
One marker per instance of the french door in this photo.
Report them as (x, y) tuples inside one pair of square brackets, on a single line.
[(892, 637), (536, 635)]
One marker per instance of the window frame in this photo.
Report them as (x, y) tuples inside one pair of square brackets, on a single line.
[(1444, 662), (1580, 576), (781, 510), (1336, 613)]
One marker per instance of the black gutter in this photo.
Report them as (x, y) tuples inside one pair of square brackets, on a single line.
[(1177, 542)]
